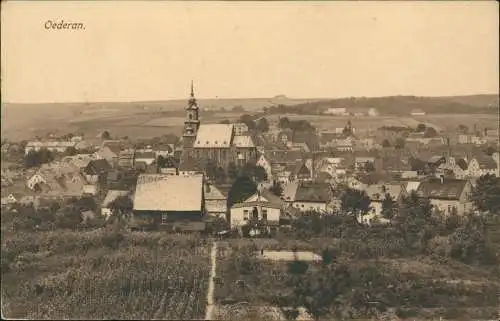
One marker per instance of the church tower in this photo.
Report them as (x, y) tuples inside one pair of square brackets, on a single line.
[(192, 121)]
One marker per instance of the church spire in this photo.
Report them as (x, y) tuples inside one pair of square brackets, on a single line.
[(192, 89)]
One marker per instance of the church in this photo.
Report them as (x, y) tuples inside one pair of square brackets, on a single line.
[(216, 142)]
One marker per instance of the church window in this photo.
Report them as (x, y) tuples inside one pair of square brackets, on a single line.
[(190, 116)]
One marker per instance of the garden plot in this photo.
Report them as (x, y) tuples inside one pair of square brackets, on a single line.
[(289, 256)]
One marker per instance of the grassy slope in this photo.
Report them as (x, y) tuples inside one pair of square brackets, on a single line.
[(148, 276)]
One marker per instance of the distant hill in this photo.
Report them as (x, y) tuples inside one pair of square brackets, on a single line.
[(474, 100), (403, 105)]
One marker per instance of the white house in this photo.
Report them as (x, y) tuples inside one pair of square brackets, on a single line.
[(35, 180), (148, 157), (337, 111), (53, 146), (372, 112), (261, 206), (266, 164), (479, 166), (377, 194)]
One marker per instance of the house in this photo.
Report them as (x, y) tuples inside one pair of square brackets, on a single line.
[(215, 201), (312, 197), (111, 196), (323, 177), (96, 169), (91, 189), (162, 200), (301, 172), (145, 157), (372, 112), (35, 181), (52, 145), (417, 112), (363, 163), (261, 206), (377, 193), (447, 195), (482, 165), (289, 192), (265, 163), (335, 166), (126, 158), (168, 166), (189, 166), (337, 111), (240, 129)]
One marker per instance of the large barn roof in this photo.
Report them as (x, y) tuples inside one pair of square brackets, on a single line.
[(214, 136), (155, 192)]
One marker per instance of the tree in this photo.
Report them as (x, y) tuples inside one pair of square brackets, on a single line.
[(400, 143), (210, 169), (276, 188), (262, 125), (248, 120), (414, 220), (369, 167), (389, 207), (260, 174), (485, 194), (105, 135), (386, 143), (242, 188), (420, 128), (462, 129), (220, 174), (490, 150), (121, 207), (284, 123), (355, 202), (430, 132), (238, 109), (71, 151), (224, 121), (232, 170)]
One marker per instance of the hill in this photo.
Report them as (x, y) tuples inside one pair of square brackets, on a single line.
[(403, 105)]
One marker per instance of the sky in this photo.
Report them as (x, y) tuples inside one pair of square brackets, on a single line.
[(138, 51)]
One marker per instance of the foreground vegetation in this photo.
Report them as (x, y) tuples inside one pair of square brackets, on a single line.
[(449, 271), (103, 274)]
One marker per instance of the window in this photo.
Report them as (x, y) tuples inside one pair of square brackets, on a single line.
[(245, 215), (264, 214), (164, 218)]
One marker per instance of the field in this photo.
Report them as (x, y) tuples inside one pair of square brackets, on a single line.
[(414, 288), (103, 275), (155, 118), (23, 121)]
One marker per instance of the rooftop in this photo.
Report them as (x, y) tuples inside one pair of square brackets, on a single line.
[(449, 189), (214, 136), (156, 192)]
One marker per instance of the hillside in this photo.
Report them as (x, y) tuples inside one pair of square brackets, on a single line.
[(403, 105)]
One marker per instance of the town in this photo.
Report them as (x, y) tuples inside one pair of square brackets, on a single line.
[(266, 176)]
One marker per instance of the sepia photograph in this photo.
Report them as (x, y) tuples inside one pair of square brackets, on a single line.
[(250, 160)]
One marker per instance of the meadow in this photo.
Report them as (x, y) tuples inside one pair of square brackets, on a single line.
[(412, 287), (103, 275)]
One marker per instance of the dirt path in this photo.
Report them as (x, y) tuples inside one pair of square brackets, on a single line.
[(211, 285)]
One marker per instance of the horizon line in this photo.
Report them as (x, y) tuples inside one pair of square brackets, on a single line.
[(241, 98)]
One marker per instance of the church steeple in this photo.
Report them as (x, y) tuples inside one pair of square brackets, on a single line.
[(192, 121)]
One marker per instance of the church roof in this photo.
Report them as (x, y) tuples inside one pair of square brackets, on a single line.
[(243, 141), (214, 136)]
